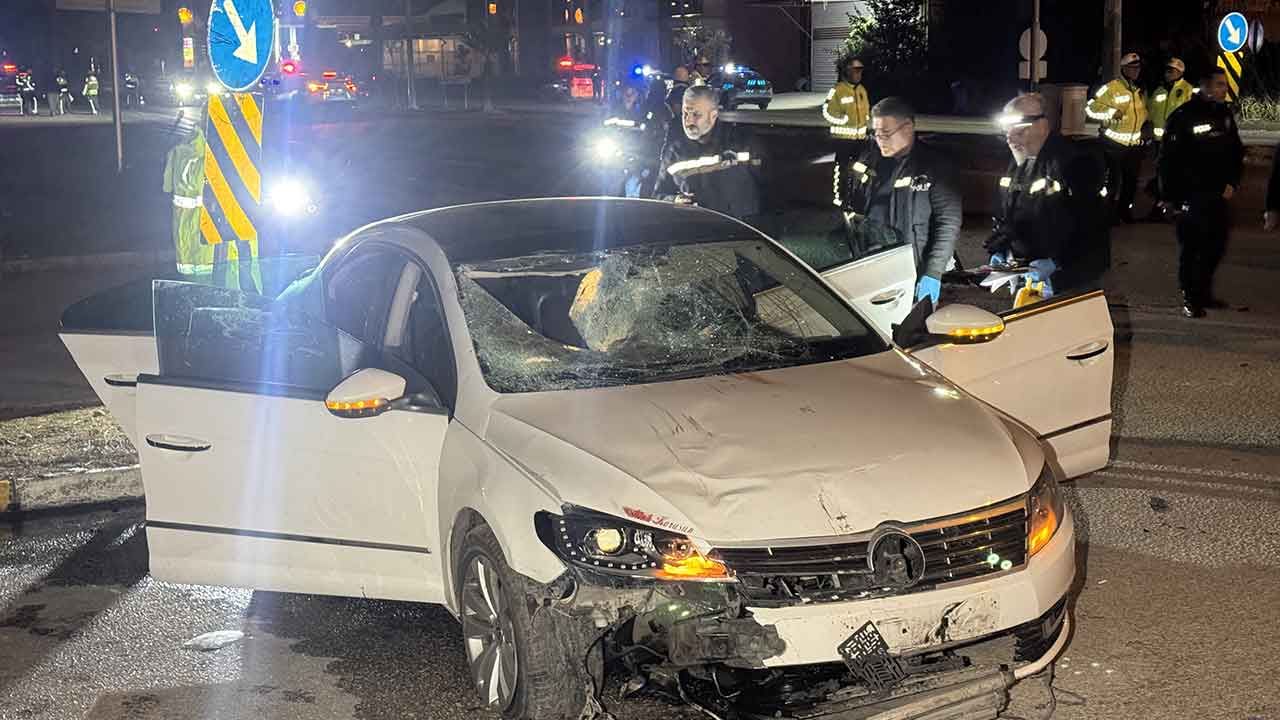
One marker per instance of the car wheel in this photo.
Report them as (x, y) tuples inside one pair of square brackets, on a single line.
[(516, 671)]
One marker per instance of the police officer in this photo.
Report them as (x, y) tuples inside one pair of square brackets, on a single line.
[(711, 166), (701, 71), (130, 89), (64, 93), (1050, 214), (26, 81), (1118, 105), (90, 91), (848, 108), (1201, 160), (905, 186), (184, 179), (1168, 96)]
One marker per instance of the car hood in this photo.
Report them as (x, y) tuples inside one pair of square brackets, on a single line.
[(811, 451)]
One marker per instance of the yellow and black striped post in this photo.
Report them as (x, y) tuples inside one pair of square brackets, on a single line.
[(1233, 63), (233, 188)]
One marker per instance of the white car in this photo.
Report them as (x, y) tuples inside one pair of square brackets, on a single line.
[(611, 432)]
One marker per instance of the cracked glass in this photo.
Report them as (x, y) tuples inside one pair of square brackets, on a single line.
[(649, 313)]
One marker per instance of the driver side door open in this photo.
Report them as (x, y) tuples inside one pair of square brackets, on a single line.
[(252, 482)]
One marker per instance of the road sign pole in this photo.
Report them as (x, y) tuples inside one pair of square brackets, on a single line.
[(411, 92), (115, 89)]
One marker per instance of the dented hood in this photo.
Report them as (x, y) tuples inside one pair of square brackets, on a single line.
[(810, 451)]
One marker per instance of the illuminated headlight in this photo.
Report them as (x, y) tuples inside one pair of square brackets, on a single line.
[(213, 88), (604, 149), (184, 90), (1044, 511), (290, 197), (606, 544)]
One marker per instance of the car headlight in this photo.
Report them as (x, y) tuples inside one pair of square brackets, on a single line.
[(1044, 511), (290, 197), (213, 88), (610, 545), (604, 149), (184, 90)]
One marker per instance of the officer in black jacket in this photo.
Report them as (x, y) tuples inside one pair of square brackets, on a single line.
[(1201, 160), (711, 165), (905, 186), (1051, 213)]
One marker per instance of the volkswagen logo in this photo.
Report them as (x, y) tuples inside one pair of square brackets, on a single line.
[(895, 558)]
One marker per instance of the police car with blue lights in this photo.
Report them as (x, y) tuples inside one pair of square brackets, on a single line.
[(740, 85)]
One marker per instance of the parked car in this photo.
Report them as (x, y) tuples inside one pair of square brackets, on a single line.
[(740, 85), (609, 432)]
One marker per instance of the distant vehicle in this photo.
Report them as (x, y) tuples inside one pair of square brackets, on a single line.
[(192, 90), (332, 87), (9, 95), (740, 85)]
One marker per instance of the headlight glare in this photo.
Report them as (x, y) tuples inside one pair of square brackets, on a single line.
[(213, 88), (610, 545), (604, 149), (184, 90), (1044, 511), (290, 197)]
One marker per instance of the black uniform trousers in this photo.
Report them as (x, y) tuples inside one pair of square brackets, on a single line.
[(1202, 241), (1123, 165)]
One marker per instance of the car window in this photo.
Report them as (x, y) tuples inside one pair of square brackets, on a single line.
[(826, 239), (359, 292), (417, 334)]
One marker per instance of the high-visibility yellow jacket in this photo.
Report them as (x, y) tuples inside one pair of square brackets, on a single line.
[(848, 110), (1163, 101), (1119, 106)]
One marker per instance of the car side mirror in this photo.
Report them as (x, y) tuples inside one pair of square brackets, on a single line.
[(365, 393), (964, 324)]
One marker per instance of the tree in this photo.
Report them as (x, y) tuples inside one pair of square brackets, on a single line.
[(693, 42), (890, 37)]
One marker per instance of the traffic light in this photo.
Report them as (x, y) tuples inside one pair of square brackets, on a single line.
[(299, 8), (493, 8), (184, 15)]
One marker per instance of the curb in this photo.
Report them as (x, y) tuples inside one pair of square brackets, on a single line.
[(67, 490), (79, 262)]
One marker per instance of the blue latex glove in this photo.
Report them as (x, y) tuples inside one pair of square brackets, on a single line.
[(996, 259), (1041, 269), (928, 286)]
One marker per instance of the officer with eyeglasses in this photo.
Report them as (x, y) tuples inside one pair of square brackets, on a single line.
[(905, 186), (1051, 213)]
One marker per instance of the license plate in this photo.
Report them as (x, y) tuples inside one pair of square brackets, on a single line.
[(866, 654)]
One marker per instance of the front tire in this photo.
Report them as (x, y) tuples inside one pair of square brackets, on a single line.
[(516, 670)]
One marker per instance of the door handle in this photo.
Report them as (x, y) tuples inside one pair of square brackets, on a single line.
[(887, 297), (121, 380), (179, 443), (1092, 350)]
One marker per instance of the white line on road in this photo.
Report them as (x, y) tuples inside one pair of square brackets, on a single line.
[(1188, 485), (1203, 472)]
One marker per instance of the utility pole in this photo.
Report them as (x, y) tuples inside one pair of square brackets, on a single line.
[(117, 120), (1111, 38), (1034, 62), (410, 93)]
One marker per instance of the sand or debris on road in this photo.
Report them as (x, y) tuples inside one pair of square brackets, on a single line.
[(40, 445)]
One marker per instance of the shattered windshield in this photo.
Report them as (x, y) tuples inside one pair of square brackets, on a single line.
[(649, 313)]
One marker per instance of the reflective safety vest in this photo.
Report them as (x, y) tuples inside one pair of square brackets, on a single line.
[(90, 86), (184, 177), (848, 111), (1163, 101), (1121, 110)]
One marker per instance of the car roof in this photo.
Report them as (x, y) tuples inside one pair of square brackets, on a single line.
[(516, 228)]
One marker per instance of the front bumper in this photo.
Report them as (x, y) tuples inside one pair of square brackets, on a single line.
[(951, 614)]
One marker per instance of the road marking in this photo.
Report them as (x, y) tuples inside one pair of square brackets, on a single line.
[(1203, 472), (1188, 485)]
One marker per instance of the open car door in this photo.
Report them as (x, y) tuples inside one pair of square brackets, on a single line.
[(254, 480), (1051, 369), (871, 267)]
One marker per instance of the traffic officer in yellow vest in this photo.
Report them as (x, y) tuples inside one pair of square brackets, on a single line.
[(1166, 98), (90, 91), (184, 178), (1118, 105), (848, 113)]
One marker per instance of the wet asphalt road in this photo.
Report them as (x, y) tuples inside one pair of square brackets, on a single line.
[(1177, 590)]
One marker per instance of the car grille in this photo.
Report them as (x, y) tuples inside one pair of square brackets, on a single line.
[(963, 550)]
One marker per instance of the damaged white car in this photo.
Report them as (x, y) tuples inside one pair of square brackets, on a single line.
[(616, 435)]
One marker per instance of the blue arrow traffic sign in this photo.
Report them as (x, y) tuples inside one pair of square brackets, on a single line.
[(1233, 31), (242, 38)]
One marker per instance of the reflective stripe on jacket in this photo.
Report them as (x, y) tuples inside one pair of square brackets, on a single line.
[(848, 110), (1118, 105)]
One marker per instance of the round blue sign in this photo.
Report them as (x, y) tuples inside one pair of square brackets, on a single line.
[(242, 39), (1233, 32)]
